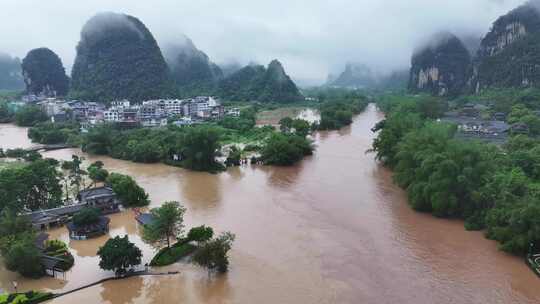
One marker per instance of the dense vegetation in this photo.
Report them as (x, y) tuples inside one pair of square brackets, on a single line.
[(117, 57), (10, 73), (29, 115), (53, 133), (490, 188), (127, 190), (33, 186), (257, 83), (44, 73), (337, 114)]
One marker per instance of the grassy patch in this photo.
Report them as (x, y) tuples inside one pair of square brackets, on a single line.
[(168, 256), (30, 297)]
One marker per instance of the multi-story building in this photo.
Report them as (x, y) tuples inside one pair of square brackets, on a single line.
[(111, 115)]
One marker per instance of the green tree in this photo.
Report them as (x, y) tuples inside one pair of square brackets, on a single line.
[(97, 173), (285, 124), (33, 186), (200, 234), (119, 254), (301, 127), (76, 174), (127, 190), (199, 146), (167, 223), (86, 216), (213, 253), (24, 257), (285, 150), (30, 115)]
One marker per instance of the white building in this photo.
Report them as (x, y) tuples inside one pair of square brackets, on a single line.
[(112, 115), (120, 103)]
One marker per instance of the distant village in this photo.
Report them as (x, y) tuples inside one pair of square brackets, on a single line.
[(150, 113), (477, 121)]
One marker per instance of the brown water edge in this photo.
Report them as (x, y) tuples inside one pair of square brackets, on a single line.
[(12, 136), (333, 229)]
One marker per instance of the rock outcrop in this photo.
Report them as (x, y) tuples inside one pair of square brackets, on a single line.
[(44, 73), (117, 58), (509, 55), (441, 67)]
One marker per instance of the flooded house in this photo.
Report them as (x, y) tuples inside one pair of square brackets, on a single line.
[(102, 198)]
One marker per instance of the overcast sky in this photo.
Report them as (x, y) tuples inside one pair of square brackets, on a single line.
[(310, 37)]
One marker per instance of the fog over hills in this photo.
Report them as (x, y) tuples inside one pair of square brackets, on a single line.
[(310, 40)]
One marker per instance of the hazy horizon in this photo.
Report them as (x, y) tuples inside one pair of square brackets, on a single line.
[(311, 39)]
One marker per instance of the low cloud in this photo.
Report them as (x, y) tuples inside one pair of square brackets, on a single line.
[(310, 38)]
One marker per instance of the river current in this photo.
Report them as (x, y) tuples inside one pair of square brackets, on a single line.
[(332, 229)]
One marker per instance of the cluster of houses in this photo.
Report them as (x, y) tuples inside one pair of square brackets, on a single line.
[(472, 124), (102, 198), (150, 113)]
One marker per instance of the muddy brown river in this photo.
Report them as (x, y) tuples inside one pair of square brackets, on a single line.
[(333, 229)]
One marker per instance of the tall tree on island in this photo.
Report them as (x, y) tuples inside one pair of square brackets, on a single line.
[(167, 222), (119, 254)]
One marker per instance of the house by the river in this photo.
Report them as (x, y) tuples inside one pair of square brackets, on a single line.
[(102, 198)]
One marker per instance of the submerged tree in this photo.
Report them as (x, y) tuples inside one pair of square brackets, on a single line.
[(119, 254), (167, 222), (213, 253)]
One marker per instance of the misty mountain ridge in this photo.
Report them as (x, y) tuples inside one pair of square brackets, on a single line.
[(355, 75), (10, 73), (190, 67), (257, 83)]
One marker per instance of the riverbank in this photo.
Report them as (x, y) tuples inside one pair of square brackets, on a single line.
[(346, 235)]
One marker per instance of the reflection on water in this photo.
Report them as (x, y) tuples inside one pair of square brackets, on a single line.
[(333, 229)]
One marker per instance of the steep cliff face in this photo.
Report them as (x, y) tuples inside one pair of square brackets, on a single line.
[(190, 67), (117, 57), (509, 55), (441, 67), (44, 73)]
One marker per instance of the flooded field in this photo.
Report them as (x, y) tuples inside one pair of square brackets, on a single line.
[(333, 229)]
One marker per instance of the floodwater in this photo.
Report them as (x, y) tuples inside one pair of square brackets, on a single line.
[(272, 117), (12, 136), (333, 229)]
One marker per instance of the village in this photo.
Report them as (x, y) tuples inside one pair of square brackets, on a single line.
[(149, 113), (479, 122)]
